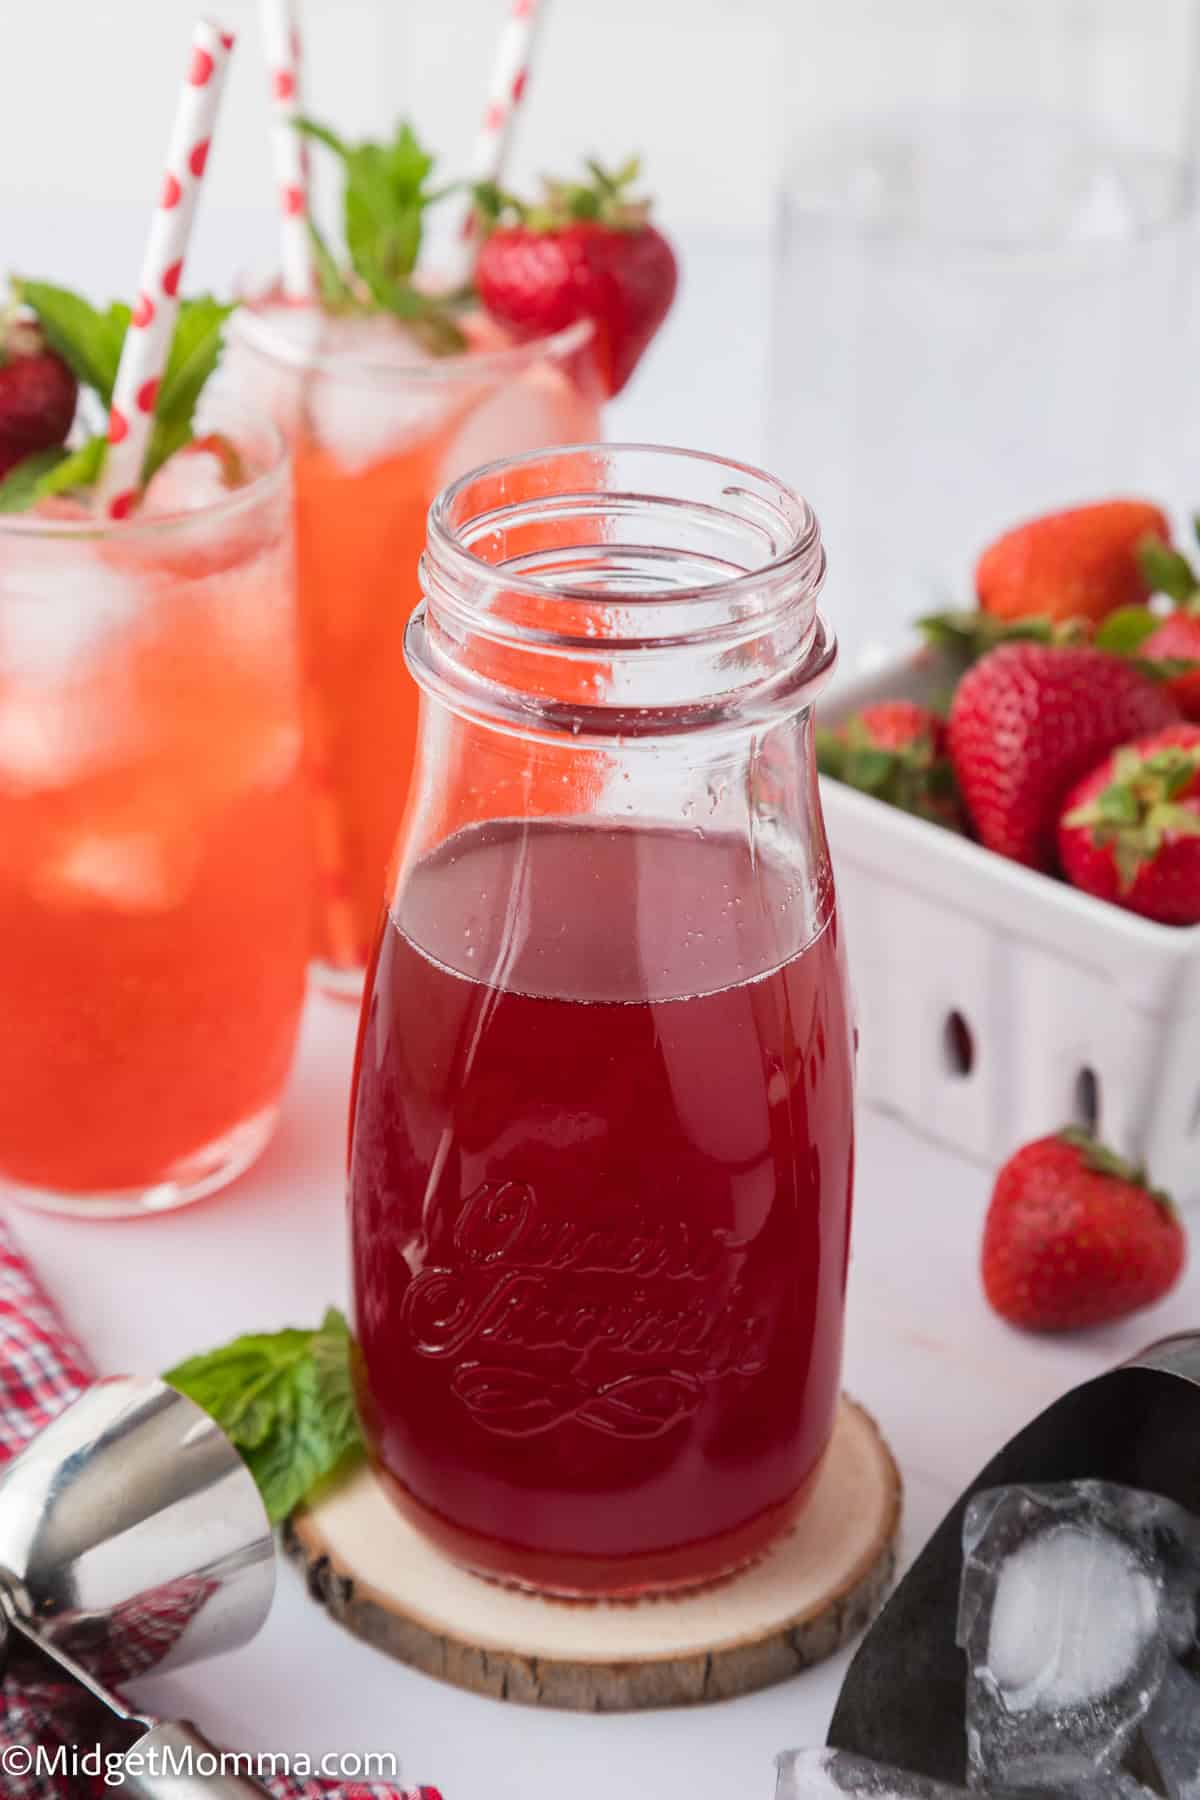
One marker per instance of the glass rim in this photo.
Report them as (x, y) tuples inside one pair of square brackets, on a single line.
[(261, 487), (454, 559), (249, 325)]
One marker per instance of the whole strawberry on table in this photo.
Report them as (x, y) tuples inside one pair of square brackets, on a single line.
[(1063, 746), (1075, 1237)]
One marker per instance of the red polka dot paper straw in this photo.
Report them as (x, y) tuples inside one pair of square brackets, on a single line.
[(148, 341), (510, 82), (283, 46)]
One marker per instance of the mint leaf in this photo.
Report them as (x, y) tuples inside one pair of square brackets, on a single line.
[(382, 210), (48, 472), (91, 341), (88, 340), (336, 293), (1123, 632), (285, 1400), (22, 485), (195, 353), (385, 196), (332, 1348), (323, 135), (79, 469)]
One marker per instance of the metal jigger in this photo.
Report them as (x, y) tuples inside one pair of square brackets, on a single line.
[(132, 1539)]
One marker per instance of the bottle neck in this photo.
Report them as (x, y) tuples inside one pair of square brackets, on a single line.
[(621, 593)]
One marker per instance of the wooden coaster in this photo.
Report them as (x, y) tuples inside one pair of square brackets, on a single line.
[(808, 1596)]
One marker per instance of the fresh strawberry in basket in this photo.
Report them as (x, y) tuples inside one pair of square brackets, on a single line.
[(1170, 643), (896, 751), (588, 251), (1028, 722), (1076, 1237), (1130, 831), (37, 395), (1078, 564)]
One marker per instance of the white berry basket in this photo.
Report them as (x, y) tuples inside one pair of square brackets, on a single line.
[(996, 1004)]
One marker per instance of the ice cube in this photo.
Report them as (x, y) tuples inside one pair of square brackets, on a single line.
[(1172, 1734), (540, 407), (60, 600), (363, 387), (834, 1774), (1066, 1610), (187, 482), (138, 873), (63, 610)]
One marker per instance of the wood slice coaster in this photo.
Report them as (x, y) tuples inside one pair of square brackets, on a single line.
[(808, 1596)]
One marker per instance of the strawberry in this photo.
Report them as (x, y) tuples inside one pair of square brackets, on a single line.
[(588, 252), (37, 395), (1130, 831), (1172, 642), (1030, 720), (1076, 1237), (1079, 564), (895, 750), (1177, 640)]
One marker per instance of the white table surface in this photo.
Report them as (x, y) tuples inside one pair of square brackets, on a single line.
[(946, 1380)]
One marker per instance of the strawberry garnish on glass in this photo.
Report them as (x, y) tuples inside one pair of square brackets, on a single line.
[(587, 250), (37, 394), (1130, 832)]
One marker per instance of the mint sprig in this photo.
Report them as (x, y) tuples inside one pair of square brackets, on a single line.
[(90, 340), (386, 194), (195, 353), (24, 483), (285, 1400)]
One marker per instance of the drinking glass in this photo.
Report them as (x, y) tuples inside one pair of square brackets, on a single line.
[(376, 429), (983, 283), (602, 1132), (154, 860)]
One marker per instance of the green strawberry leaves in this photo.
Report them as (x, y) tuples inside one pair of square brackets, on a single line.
[(90, 340), (285, 1399), (1165, 571), (1139, 809), (964, 637), (1124, 632), (1099, 1160), (385, 196), (916, 779), (604, 199)]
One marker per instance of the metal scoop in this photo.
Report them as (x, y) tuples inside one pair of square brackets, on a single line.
[(132, 1539)]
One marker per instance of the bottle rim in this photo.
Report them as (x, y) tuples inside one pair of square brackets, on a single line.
[(682, 594)]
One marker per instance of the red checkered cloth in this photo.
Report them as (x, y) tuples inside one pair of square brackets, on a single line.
[(42, 1369)]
